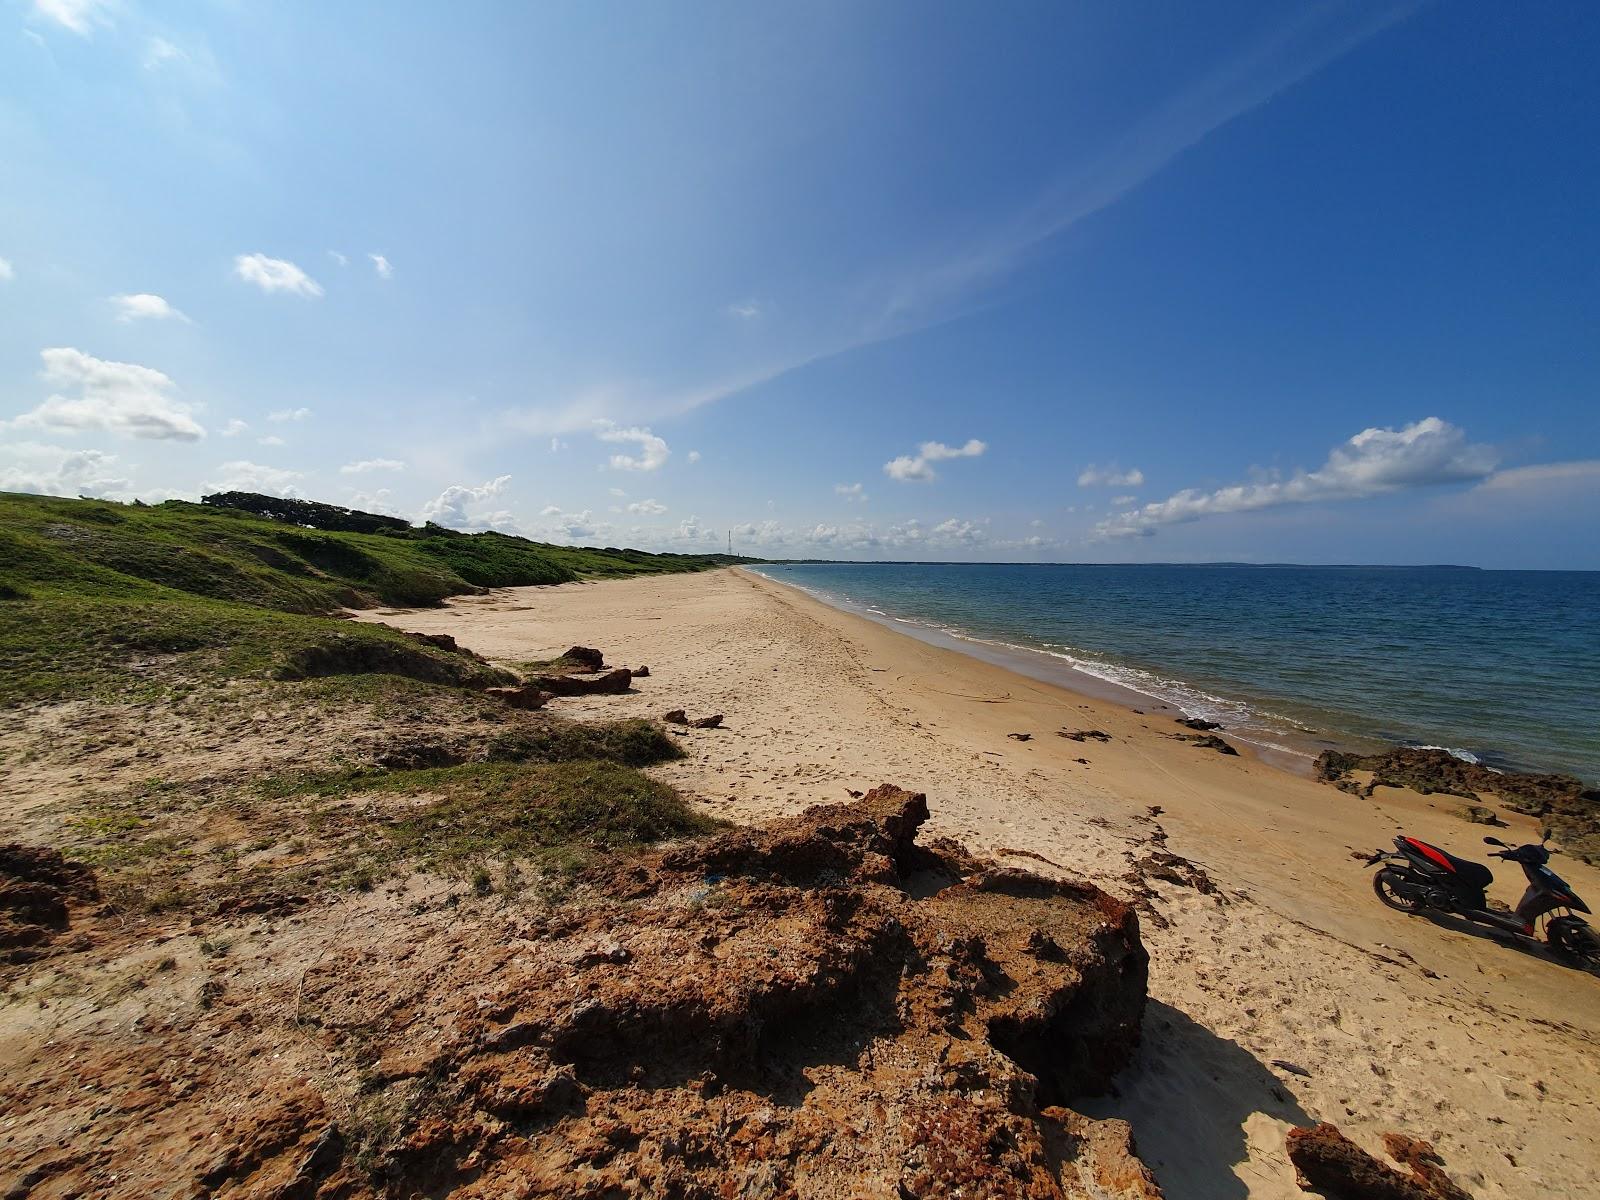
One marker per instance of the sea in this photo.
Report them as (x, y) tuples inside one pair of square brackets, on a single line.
[(1498, 667)]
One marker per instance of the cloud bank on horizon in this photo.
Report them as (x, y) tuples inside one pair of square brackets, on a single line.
[(1225, 303)]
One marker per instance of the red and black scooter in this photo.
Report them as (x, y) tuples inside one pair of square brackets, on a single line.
[(1420, 878)]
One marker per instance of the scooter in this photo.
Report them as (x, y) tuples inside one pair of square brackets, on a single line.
[(1421, 878)]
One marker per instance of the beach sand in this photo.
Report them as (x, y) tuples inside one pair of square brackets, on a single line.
[(1390, 1022)]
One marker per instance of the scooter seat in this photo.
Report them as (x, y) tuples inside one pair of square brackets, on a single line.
[(1468, 873)]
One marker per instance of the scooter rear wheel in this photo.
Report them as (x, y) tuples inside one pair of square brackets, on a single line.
[(1384, 884)]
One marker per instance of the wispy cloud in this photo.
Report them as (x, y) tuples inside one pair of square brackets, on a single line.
[(1110, 476), (77, 16), (367, 465), (289, 414), (7, 271), (275, 275), (382, 266), (143, 306), (947, 280), (1373, 462)]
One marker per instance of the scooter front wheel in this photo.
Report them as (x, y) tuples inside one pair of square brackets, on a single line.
[(1575, 941), (1387, 884)]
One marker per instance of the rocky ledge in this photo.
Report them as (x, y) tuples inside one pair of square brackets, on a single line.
[(823, 1008), (1563, 804)]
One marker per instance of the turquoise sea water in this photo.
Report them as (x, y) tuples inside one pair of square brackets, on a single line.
[(1501, 666)]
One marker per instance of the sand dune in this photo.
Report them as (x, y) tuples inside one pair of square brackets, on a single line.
[(1491, 1052)]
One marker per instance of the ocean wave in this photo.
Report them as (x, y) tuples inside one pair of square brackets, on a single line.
[(1466, 756)]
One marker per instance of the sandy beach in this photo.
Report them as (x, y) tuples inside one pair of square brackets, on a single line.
[(1285, 994)]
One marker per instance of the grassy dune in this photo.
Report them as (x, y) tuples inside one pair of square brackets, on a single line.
[(99, 598)]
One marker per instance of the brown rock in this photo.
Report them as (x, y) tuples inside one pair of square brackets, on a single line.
[(586, 657), (1080, 735), (679, 717), (1331, 1163), (612, 683), (36, 886)]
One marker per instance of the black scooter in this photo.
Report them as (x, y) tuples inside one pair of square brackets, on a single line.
[(1420, 878)]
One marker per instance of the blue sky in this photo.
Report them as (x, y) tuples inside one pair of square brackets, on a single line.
[(1094, 282)]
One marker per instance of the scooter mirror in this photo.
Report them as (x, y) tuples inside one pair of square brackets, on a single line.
[(1493, 841)]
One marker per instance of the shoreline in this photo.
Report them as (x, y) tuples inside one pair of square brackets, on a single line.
[(1274, 737), (1055, 670)]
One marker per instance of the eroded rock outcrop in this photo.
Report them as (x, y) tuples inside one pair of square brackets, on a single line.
[(824, 1008)]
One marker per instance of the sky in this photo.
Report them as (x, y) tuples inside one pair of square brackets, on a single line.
[(1093, 282)]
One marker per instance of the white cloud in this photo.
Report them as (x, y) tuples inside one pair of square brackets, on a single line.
[(462, 507), (78, 16), (377, 501), (56, 471), (571, 526), (275, 275), (368, 465), (241, 475), (1119, 501), (557, 445), (1371, 463), (382, 266), (341, 259), (910, 467), (235, 427), (122, 398), (647, 508), (616, 491), (745, 310), (7, 271), (271, 439), (652, 454), (289, 414), (851, 492), (966, 533), (1110, 476), (142, 306), (694, 456)]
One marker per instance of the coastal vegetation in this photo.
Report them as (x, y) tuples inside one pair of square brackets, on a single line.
[(98, 598), (212, 641)]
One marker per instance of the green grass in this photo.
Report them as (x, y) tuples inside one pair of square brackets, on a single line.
[(103, 599), (519, 810)]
